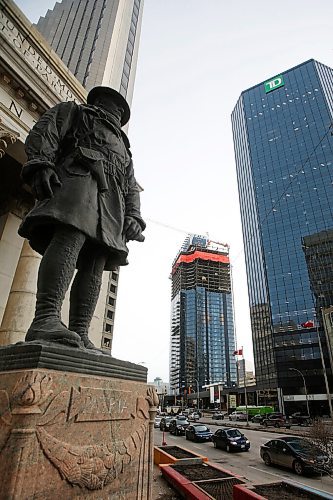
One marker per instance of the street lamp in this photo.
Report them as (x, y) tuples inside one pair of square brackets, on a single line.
[(305, 390)]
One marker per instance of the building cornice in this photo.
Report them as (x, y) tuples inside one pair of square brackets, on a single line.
[(36, 54)]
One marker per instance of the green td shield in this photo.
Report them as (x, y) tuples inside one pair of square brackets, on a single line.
[(273, 84)]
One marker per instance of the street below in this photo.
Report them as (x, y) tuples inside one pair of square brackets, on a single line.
[(247, 464)]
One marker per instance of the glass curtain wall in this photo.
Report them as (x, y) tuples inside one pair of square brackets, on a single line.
[(284, 158)]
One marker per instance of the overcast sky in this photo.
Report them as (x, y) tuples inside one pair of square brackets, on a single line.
[(195, 58)]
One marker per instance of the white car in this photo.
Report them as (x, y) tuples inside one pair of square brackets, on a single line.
[(194, 416), (238, 415), (157, 421)]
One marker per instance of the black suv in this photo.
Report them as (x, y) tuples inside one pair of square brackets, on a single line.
[(178, 425)]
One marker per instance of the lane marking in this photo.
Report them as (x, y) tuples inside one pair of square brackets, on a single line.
[(288, 477)]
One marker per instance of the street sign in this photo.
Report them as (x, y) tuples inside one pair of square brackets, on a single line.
[(232, 401)]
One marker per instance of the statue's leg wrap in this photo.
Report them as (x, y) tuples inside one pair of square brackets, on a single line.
[(84, 294), (55, 273)]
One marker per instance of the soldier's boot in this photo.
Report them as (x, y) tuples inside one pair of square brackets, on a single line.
[(54, 276), (83, 298)]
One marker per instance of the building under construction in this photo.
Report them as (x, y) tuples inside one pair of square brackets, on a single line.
[(202, 327)]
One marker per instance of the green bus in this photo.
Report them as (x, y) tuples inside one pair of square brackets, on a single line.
[(256, 410)]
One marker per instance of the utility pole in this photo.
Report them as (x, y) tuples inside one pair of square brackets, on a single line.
[(329, 347), (305, 389), (245, 389)]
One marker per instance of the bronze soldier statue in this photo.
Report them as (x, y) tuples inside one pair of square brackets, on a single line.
[(88, 206)]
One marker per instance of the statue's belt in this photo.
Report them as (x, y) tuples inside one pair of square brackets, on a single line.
[(99, 165)]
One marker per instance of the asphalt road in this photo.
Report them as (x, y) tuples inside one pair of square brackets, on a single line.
[(247, 464)]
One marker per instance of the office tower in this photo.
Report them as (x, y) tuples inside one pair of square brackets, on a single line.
[(98, 40), (241, 368), (284, 155), (318, 250), (202, 339)]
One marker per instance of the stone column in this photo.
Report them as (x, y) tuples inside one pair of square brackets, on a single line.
[(20, 308), (97, 322), (21, 302), (10, 249)]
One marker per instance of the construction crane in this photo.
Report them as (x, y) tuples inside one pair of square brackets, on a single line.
[(179, 230)]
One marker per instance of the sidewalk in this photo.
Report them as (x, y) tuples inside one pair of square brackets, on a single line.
[(299, 431), (161, 489)]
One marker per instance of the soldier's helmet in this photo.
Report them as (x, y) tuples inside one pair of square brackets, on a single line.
[(117, 97)]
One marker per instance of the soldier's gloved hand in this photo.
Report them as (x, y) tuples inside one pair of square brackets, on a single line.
[(43, 183), (132, 229)]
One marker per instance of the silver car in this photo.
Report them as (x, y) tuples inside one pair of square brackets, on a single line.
[(238, 415)]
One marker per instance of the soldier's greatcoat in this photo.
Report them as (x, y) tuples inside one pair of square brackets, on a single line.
[(90, 153)]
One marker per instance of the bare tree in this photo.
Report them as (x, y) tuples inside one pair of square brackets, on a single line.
[(321, 434)]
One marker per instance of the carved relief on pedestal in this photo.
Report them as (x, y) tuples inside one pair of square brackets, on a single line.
[(85, 465), (30, 392), (7, 137), (91, 466)]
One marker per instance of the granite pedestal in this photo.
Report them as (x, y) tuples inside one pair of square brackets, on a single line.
[(74, 425)]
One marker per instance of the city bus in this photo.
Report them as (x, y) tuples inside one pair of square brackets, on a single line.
[(255, 410)]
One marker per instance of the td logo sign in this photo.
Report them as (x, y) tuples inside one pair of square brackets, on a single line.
[(274, 84)]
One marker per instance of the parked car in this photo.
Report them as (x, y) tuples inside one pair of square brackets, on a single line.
[(178, 425), (238, 415), (296, 453), (275, 414), (164, 424), (257, 419), (194, 416), (230, 440), (157, 421), (198, 432), (218, 416), (276, 420), (299, 419)]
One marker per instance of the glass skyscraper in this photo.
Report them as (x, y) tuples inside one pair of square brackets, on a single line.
[(284, 158), (202, 327)]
